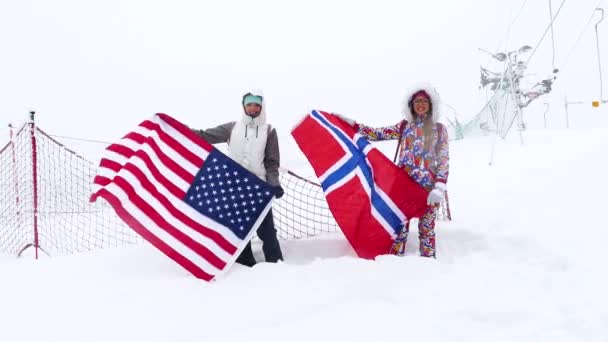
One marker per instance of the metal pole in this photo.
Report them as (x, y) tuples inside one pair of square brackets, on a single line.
[(552, 36), (520, 123), (545, 33), (35, 180), (515, 97), (599, 60), (545, 113), (566, 104), (493, 149), (566, 107), (447, 206), (497, 132)]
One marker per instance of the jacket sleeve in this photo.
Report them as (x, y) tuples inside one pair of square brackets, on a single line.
[(272, 158), (216, 135), (443, 155), (382, 133)]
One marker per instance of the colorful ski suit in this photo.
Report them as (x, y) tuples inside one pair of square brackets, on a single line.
[(425, 166)]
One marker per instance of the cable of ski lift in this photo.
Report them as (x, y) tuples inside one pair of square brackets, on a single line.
[(510, 59), (599, 60), (545, 33), (552, 36), (580, 36), (571, 51), (506, 36)]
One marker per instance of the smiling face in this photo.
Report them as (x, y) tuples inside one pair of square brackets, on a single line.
[(252, 104), (253, 109), (421, 104)]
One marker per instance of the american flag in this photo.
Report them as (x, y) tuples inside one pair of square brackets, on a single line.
[(187, 198)]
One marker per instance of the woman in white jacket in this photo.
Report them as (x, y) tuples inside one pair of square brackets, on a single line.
[(254, 144)]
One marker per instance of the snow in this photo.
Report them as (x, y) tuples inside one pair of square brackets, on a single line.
[(521, 261)]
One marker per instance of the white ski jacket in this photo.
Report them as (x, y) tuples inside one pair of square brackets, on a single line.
[(252, 142)]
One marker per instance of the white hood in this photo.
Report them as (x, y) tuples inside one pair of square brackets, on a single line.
[(260, 119), (435, 101), (248, 139)]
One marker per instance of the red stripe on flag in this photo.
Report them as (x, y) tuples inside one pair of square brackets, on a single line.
[(168, 162), (121, 149), (138, 138), (172, 188), (110, 164), (157, 218), (153, 239), (173, 143), (178, 126), (116, 167), (101, 180), (209, 233)]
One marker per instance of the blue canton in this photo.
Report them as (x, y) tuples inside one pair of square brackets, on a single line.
[(228, 193)]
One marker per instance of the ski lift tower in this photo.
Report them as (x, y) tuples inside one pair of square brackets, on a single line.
[(508, 82)]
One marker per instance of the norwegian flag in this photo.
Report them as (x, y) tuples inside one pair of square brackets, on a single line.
[(189, 200), (368, 195)]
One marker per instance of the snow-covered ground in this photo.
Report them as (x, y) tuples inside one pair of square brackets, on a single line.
[(521, 261)]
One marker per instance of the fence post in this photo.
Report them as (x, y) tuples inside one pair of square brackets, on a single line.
[(34, 181)]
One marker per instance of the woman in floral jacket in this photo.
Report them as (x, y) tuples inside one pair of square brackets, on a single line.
[(423, 153)]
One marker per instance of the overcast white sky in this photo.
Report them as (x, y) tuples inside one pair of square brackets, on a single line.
[(93, 69)]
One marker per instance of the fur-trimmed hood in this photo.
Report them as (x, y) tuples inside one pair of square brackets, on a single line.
[(260, 119), (435, 101)]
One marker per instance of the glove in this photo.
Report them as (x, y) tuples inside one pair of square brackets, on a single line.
[(278, 191), (348, 120), (436, 195)]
